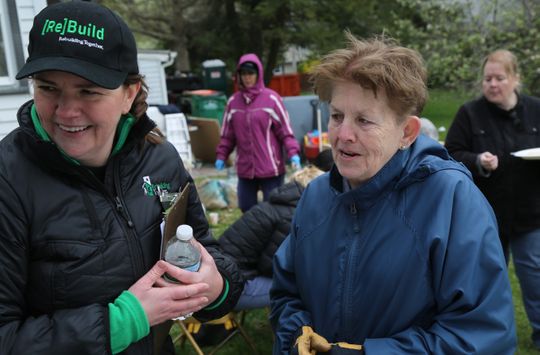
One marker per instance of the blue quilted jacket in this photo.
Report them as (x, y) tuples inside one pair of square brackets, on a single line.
[(408, 263)]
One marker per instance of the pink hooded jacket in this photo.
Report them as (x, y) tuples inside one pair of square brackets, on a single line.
[(257, 124)]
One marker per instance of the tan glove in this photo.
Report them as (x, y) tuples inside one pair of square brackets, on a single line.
[(311, 343)]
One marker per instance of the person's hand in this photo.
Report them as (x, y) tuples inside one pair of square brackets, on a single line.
[(489, 161), (220, 164), (162, 300), (295, 162), (209, 274), (310, 343)]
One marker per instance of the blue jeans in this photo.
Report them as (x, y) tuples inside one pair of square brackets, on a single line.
[(248, 188), (526, 256), (256, 294)]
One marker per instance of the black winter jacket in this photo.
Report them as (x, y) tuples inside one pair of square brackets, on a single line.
[(253, 239), (70, 244), (513, 189)]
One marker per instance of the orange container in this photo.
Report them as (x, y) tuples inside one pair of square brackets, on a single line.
[(286, 84), (312, 146), (311, 152)]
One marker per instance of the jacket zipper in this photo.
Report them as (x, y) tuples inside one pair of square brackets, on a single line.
[(353, 209), (132, 240), (122, 211), (130, 233), (345, 311)]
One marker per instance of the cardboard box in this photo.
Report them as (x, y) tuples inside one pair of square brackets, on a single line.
[(175, 217), (204, 139)]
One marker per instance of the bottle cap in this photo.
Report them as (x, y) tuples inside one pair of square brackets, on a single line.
[(184, 232)]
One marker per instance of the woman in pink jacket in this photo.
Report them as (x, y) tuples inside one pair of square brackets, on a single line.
[(257, 124)]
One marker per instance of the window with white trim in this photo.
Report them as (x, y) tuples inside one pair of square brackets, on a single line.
[(10, 47)]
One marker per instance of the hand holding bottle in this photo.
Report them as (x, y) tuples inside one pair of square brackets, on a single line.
[(207, 274), (160, 302), (191, 280)]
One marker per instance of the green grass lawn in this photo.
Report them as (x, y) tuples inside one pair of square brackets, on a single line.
[(523, 328), (441, 108)]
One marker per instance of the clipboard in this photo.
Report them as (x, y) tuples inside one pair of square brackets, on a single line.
[(176, 216)]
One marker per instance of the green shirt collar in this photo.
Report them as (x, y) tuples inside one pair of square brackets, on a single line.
[(122, 131)]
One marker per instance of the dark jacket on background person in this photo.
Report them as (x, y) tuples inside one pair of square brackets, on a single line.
[(513, 189), (254, 238), (70, 244)]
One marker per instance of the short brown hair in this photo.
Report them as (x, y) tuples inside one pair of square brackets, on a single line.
[(376, 64)]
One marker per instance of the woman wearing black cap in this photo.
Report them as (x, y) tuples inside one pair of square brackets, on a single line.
[(80, 216), (257, 124)]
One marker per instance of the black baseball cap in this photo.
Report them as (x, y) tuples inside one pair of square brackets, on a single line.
[(249, 67), (82, 38)]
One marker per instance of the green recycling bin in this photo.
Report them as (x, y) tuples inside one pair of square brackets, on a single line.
[(208, 105)]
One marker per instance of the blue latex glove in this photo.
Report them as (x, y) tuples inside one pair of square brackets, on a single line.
[(295, 161), (220, 164)]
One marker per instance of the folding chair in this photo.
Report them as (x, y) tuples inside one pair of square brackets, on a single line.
[(232, 320)]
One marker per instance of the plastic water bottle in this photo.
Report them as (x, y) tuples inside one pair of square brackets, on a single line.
[(182, 252)]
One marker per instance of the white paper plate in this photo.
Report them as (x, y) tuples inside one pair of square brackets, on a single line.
[(528, 154)]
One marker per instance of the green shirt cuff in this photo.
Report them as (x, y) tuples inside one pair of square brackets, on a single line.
[(128, 321), (221, 297)]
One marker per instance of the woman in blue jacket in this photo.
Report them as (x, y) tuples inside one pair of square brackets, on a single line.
[(395, 251)]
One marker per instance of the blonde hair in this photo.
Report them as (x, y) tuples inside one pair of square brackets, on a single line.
[(507, 59), (376, 64), (305, 175)]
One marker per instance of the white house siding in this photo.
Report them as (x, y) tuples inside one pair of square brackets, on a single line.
[(27, 10), (151, 65), (10, 103)]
